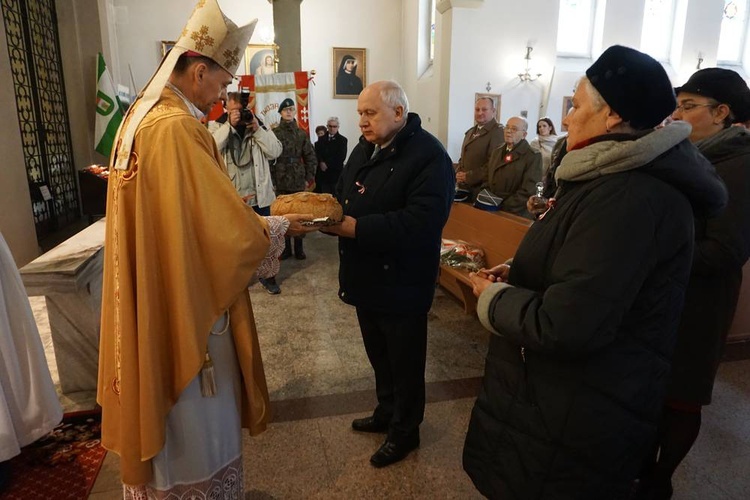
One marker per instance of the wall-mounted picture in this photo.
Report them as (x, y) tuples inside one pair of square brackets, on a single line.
[(350, 72), (261, 59), (567, 106), (495, 100), (166, 46)]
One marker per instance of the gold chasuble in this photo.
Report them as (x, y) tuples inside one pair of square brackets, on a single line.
[(180, 250)]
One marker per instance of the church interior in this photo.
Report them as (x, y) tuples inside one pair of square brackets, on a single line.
[(445, 53)]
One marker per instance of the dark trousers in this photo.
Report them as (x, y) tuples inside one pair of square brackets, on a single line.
[(396, 345), (266, 211)]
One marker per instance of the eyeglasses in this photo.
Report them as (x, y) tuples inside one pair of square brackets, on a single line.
[(687, 106), (513, 129), (333, 126)]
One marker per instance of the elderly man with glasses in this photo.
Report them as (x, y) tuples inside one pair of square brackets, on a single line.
[(514, 169), (331, 151)]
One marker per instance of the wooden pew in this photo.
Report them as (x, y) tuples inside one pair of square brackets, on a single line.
[(740, 330), (497, 233)]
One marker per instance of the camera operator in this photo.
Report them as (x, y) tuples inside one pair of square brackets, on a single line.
[(247, 147)]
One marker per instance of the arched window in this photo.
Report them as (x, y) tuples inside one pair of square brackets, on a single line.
[(658, 28), (575, 27), (733, 32)]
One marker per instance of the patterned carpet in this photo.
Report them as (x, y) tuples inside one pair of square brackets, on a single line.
[(62, 465)]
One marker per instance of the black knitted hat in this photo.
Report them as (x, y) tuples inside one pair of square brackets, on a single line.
[(634, 85), (286, 103), (723, 85)]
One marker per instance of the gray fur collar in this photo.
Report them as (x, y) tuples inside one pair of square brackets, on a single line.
[(611, 157)]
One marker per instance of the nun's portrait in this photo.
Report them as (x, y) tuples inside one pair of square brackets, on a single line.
[(350, 72)]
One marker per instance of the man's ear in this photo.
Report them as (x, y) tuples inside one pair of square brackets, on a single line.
[(399, 112), (199, 71)]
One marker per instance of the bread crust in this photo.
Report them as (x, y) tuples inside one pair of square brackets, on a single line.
[(319, 205)]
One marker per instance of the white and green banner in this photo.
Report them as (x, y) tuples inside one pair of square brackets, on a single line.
[(108, 110)]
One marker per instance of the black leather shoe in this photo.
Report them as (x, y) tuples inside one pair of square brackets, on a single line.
[(390, 453), (270, 285), (369, 424)]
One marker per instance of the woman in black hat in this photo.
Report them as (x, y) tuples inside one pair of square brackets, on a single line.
[(711, 101), (585, 319)]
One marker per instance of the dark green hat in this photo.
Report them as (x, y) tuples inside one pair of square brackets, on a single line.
[(286, 103)]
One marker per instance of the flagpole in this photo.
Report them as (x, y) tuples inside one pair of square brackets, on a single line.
[(132, 82)]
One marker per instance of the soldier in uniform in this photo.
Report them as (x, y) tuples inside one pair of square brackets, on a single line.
[(294, 170)]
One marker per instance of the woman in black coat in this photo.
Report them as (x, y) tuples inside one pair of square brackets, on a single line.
[(711, 101), (585, 318)]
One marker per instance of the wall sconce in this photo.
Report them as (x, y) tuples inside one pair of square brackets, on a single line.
[(700, 60), (527, 76), (489, 86)]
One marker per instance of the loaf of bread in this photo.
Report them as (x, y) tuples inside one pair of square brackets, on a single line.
[(319, 205)]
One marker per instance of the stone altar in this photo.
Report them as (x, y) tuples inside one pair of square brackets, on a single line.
[(70, 278)]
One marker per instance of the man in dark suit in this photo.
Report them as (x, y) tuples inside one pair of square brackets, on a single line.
[(514, 169), (331, 150), (396, 189), (479, 142)]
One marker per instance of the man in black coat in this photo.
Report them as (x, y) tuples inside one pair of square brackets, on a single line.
[(331, 151), (396, 190)]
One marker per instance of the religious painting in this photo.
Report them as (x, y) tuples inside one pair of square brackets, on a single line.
[(166, 46), (567, 106), (495, 98), (350, 72), (261, 59)]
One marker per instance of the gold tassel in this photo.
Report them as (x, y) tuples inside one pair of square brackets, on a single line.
[(208, 378)]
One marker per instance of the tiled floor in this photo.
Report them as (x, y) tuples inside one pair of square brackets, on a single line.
[(320, 379)]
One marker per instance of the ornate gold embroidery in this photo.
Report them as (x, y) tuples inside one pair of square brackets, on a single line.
[(232, 57), (202, 38)]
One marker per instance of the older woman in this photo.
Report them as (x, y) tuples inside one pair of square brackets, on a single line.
[(711, 101), (585, 318), (544, 142)]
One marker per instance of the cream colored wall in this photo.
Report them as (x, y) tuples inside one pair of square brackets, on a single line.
[(16, 218)]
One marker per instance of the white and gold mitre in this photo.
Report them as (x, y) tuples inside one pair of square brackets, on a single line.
[(209, 33)]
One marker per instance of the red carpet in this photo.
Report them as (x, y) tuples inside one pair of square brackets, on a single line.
[(63, 465)]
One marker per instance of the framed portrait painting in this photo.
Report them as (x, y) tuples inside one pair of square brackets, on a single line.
[(495, 98), (567, 106), (166, 46), (349, 72), (261, 59)]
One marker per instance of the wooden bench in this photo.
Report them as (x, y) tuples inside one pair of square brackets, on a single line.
[(740, 330), (497, 233)]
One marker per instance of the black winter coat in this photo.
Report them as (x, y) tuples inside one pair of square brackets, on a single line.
[(401, 200), (576, 375), (332, 151), (722, 246)]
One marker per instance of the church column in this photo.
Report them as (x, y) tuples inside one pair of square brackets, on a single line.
[(286, 26)]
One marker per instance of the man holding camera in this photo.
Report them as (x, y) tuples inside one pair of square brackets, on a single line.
[(247, 148)]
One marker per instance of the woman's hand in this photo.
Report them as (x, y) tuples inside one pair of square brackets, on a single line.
[(498, 273), (480, 281), (295, 226)]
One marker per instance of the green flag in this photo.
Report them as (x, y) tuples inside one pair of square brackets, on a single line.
[(108, 110)]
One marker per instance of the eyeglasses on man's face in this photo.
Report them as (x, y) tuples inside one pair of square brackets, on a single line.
[(513, 130), (333, 126), (687, 106)]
